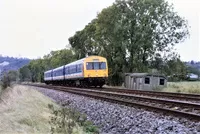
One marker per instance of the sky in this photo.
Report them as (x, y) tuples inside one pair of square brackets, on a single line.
[(33, 28)]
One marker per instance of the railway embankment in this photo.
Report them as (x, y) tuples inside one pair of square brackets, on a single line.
[(24, 110), (118, 119)]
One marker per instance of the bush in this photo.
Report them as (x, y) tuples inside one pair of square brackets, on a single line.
[(5, 82), (66, 120)]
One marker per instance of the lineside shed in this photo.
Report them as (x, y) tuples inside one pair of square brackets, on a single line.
[(144, 81)]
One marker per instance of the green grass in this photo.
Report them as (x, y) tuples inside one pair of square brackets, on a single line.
[(24, 110), (183, 87)]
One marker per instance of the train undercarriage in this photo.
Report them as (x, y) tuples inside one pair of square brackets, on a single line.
[(84, 82)]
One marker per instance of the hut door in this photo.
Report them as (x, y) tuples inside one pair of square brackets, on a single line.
[(140, 84), (134, 84)]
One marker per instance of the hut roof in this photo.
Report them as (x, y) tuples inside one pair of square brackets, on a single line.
[(144, 74)]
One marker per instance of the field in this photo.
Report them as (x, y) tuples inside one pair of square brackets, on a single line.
[(183, 87), (23, 110)]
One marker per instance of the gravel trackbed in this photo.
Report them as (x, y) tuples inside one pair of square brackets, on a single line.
[(118, 119)]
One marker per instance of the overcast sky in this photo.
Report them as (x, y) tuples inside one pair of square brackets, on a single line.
[(33, 28)]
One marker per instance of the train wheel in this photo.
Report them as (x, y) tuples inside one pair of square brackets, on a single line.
[(100, 86)]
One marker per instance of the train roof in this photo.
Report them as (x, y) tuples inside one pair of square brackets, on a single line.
[(72, 63), (58, 68), (48, 71), (81, 60)]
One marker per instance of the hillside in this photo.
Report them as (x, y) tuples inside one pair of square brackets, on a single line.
[(193, 64), (11, 63)]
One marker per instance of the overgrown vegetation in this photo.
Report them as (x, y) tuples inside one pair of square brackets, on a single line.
[(67, 121), (183, 87), (134, 36), (24, 110), (8, 78)]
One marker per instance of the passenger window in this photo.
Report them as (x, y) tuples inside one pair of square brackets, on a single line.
[(76, 68), (147, 81), (79, 68), (66, 70), (162, 82)]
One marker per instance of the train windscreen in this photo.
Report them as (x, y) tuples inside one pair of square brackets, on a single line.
[(95, 65)]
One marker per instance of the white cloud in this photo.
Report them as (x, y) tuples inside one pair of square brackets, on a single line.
[(189, 9)]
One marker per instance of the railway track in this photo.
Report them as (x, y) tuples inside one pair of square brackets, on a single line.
[(180, 108), (167, 95)]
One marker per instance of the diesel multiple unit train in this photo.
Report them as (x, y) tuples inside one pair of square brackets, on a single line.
[(89, 71)]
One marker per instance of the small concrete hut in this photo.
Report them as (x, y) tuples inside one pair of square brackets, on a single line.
[(144, 81)]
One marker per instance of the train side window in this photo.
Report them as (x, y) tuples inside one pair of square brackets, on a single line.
[(60, 72), (47, 75), (69, 70), (147, 80), (74, 69), (66, 70), (162, 82), (79, 68)]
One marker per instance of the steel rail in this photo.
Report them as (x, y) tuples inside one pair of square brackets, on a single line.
[(107, 96), (182, 96)]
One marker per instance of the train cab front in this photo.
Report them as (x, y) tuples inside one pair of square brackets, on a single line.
[(96, 71)]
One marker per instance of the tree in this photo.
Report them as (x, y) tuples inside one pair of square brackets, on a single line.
[(8, 78), (150, 26), (132, 35), (34, 71), (25, 74)]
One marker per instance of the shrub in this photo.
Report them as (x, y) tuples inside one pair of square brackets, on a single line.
[(5, 82), (65, 120)]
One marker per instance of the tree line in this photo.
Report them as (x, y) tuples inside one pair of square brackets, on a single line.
[(134, 36)]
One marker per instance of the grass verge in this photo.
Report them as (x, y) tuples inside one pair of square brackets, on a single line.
[(24, 110), (183, 87)]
